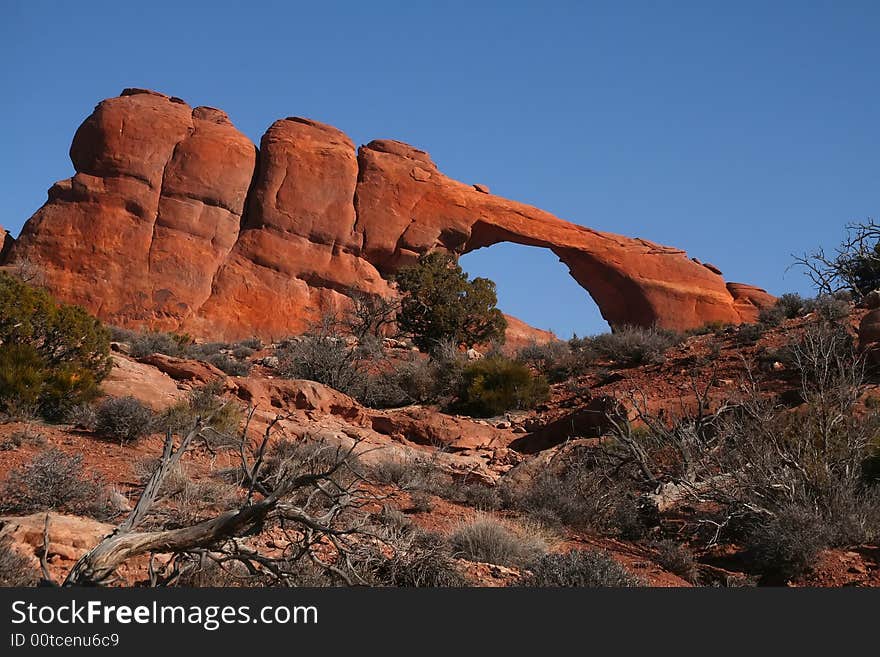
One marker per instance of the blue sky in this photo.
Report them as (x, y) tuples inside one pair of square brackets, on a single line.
[(742, 132)]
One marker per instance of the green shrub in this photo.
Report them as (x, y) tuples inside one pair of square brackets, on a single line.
[(579, 568), (52, 355), (54, 480), (440, 303), (494, 385), (124, 418)]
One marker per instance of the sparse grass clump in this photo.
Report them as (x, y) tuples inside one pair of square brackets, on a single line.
[(579, 568), (125, 419), (492, 541), (53, 480)]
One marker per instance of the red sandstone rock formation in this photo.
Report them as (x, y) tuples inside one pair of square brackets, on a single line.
[(173, 221), (6, 242)]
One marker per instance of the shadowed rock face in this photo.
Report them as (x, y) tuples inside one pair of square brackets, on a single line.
[(174, 221)]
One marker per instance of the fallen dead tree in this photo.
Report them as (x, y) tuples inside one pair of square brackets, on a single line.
[(304, 497)]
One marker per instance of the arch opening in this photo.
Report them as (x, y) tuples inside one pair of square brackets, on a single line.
[(535, 287)]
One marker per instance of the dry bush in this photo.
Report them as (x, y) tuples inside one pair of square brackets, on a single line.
[(493, 541), (230, 365), (634, 345), (416, 559), (15, 568), (782, 483), (224, 417), (584, 488), (56, 481), (677, 558), (125, 419), (579, 568)]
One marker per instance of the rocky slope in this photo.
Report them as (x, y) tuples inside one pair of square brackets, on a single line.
[(175, 220)]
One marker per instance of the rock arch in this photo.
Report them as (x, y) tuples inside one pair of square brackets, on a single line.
[(175, 220)]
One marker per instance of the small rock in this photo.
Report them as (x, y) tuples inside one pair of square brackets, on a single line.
[(483, 189), (473, 354)]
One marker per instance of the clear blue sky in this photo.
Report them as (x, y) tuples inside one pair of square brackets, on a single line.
[(739, 131)]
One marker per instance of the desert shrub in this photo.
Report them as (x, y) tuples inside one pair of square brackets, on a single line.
[(204, 350), (251, 343), (784, 484), (748, 334), (82, 416), (394, 519), (156, 342), (54, 480), (786, 544), (22, 375), (557, 360), (494, 385), (582, 490), (579, 568), (242, 353), (325, 358), (788, 306), (415, 380), (207, 573), (417, 559), (634, 345), (26, 435), (15, 568), (288, 459), (186, 500), (830, 307), (52, 355), (440, 303), (123, 418), (228, 365), (394, 470), (421, 502), (223, 417), (677, 558), (492, 541), (369, 316)]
